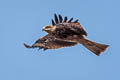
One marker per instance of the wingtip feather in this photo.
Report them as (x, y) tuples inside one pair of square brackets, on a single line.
[(27, 46)]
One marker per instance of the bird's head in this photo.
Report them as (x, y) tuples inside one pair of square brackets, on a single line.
[(49, 28)]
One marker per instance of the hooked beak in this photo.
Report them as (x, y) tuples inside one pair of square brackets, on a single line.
[(43, 29)]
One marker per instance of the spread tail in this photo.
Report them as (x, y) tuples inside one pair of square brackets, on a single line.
[(96, 48)]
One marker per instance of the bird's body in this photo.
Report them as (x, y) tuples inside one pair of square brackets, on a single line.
[(63, 33), (69, 29)]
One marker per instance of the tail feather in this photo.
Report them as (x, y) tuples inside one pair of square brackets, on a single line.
[(96, 48)]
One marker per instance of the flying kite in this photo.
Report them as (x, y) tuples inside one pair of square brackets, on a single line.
[(66, 33)]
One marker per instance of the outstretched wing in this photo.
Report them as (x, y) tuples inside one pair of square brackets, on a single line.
[(50, 42), (68, 26), (58, 19)]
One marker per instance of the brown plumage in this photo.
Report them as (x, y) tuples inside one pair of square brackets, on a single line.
[(51, 42), (66, 33)]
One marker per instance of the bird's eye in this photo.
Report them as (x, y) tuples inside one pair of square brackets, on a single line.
[(48, 26)]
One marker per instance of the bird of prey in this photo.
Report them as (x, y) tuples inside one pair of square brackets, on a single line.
[(66, 33)]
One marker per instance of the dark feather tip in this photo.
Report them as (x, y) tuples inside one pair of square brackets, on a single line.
[(65, 19), (60, 18), (70, 20), (45, 49), (76, 21), (56, 18), (27, 46), (53, 23)]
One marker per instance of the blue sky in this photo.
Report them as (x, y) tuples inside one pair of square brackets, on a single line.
[(22, 20)]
